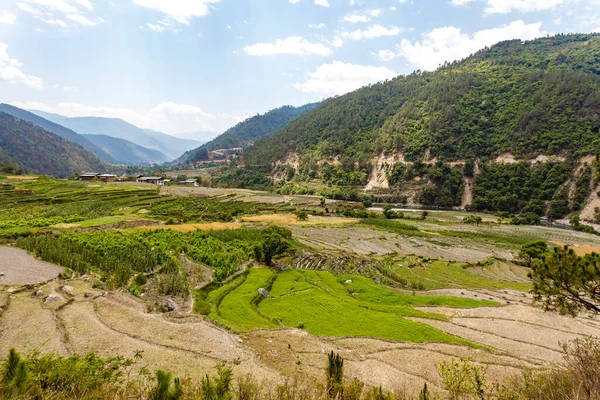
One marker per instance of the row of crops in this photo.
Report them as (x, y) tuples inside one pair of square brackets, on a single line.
[(119, 255)]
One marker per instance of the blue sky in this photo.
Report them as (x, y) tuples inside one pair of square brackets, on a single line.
[(204, 65)]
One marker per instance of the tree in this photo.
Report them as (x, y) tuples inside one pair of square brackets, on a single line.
[(301, 215), (533, 250), (566, 282), (272, 245), (335, 375)]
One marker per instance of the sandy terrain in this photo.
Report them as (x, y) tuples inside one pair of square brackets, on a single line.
[(20, 268)]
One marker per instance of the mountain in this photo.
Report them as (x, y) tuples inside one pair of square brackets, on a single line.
[(169, 145), (42, 152), (540, 97), (122, 149), (247, 132), (512, 128), (59, 130)]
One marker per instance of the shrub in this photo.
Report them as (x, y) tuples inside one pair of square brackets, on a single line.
[(302, 215)]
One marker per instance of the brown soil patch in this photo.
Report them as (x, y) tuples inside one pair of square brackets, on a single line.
[(21, 268)]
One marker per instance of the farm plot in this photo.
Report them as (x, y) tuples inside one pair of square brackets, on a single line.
[(20, 268), (326, 305)]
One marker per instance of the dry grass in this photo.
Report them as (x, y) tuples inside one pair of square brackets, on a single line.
[(22, 177), (580, 249), (213, 226), (290, 219)]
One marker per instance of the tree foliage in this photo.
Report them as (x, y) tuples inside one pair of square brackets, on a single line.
[(564, 281)]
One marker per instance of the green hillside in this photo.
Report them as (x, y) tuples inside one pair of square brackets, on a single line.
[(532, 98), (42, 152), (249, 131), (59, 130)]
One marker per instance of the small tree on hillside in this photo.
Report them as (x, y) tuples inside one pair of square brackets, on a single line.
[(335, 375), (566, 282)]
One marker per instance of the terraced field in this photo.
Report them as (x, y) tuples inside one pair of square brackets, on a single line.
[(326, 305)]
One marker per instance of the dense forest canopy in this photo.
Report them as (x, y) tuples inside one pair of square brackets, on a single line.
[(527, 98)]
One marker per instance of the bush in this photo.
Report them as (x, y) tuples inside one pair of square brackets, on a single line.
[(302, 215)]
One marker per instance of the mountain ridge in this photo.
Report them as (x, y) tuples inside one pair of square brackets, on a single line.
[(43, 152), (247, 132), (115, 127)]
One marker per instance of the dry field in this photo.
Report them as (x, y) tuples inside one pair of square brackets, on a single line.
[(19, 268), (514, 336)]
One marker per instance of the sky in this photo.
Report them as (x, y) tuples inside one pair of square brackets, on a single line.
[(204, 65)]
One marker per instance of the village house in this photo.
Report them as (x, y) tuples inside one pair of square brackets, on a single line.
[(130, 177), (107, 177), (191, 182), (153, 180), (88, 177)]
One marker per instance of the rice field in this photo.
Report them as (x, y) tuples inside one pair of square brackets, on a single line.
[(334, 306)]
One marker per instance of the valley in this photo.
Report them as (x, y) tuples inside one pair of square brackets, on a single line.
[(393, 297), (432, 235)]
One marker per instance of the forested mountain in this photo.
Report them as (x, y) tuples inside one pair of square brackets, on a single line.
[(61, 131), (122, 149), (169, 145), (42, 152), (249, 131), (532, 98)]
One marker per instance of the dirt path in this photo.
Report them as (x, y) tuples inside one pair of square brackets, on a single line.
[(21, 268)]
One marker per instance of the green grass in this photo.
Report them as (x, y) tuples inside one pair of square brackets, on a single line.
[(327, 306), (237, 309), (90, 223)]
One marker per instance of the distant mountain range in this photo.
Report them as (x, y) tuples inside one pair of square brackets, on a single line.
[(170, 146), (249, 131), (61, 131), (27, 146)]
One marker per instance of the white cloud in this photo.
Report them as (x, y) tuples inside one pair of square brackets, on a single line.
[(506, 6), (339, 78), (322, 3), (372, 32), (294, 1), (460, 3), (317, 26), (355, 18), (82, 20), (386, 55), (449, 43), (180, 10), (10, 71), (167, 116), (155, 28), (7, 18), (63, 6), (291, 45), (52, 21), (29, 9)]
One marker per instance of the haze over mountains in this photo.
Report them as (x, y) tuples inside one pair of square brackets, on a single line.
[(172, 147)]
